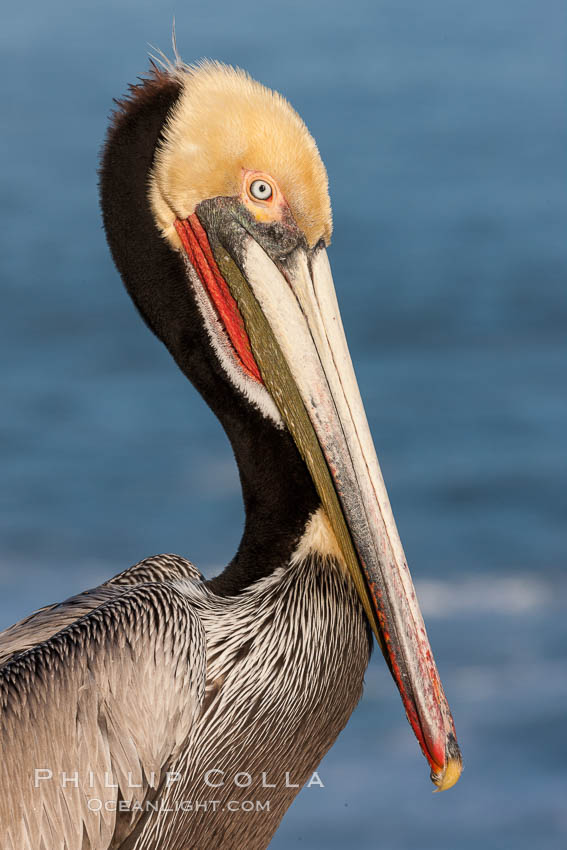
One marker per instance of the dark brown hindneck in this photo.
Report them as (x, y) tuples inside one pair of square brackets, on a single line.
[(277, 490)]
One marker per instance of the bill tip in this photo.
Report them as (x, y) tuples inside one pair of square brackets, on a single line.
[(449, 775)]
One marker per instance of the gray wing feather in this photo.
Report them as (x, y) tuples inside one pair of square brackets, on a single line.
[(104, 704), (41, 624)]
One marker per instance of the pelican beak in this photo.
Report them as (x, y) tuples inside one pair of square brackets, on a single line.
[(291, 316)]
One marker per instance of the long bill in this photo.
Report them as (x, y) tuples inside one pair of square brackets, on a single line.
[(297, 339)]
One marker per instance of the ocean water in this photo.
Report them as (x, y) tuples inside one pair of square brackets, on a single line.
[(444, 130)]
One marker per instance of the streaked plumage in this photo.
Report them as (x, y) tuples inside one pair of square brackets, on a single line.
[(129, 656)]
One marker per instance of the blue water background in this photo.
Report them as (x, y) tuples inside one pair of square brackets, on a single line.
[(443, 127)]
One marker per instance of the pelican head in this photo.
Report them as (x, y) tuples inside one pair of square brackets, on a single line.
[(237, 190)]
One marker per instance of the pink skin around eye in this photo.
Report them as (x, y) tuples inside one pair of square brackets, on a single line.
[(271, 209)]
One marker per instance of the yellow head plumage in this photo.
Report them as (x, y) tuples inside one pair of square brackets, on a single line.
[(224, 122)]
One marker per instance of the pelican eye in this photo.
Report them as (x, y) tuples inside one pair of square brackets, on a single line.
[(261, 190)]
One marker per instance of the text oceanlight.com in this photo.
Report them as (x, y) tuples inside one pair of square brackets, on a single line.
[(95, 804)]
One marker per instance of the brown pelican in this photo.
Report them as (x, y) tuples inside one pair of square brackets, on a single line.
[(129, 710)]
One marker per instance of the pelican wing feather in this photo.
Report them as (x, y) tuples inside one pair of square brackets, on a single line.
[(97, 697)]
